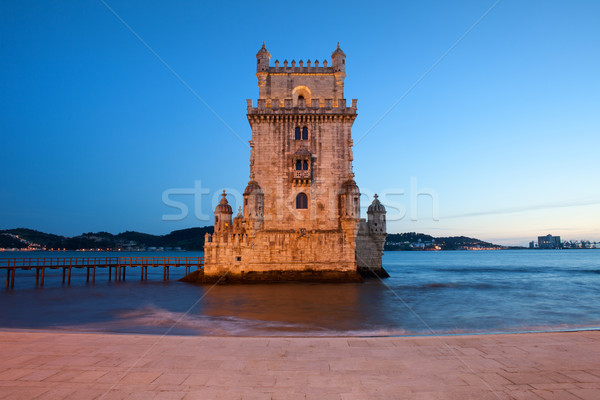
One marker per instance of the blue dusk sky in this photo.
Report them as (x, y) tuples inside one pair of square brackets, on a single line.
[(476, 118)]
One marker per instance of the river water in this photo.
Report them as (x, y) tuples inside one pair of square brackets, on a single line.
[(427, 293)]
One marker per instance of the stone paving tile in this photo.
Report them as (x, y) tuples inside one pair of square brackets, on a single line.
[(196, 380), (586, 394), (40, 375), (143, 378), (15, 373), (169, 395), (25, 393), (170, 378), (56, 394), (582, 376), (555, 394), (88, 376)]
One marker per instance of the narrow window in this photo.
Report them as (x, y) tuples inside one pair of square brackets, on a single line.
[(298, 165), (305, 133), (301, 201), (305, 165), (297, 133)]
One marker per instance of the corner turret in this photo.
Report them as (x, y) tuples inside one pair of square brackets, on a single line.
[(223, 213), (350, 200), (263, 60), (253, 207), (338, 61), (376, 217)]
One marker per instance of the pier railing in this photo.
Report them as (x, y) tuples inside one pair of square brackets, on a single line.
[(120, 265)]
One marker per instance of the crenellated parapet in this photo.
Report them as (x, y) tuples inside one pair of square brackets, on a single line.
[(317, 107), (309, 68), (225, 239)]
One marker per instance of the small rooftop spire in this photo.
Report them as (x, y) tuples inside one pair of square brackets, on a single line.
[(263, 50), (338, 50)]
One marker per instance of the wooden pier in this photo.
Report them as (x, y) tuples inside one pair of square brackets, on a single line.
[(116, 265)]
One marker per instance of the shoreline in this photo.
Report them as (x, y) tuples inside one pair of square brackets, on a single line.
[(306, 336), (50, 364)]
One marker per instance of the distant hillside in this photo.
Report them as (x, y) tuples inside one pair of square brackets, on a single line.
[(421, 241), (193, 239), (410, 237), (186, 239), (10, 242)]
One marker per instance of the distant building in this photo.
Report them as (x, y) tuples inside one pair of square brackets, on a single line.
[(549, 242), (532, 245)]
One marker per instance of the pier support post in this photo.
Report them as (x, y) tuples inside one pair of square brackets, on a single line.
[(12, 280), (64, 271), (124, 270), (43, 273), (94, 274), (146, 273), (109, 273), (87, 275), (37, 276), (7, 278), (69, 281)]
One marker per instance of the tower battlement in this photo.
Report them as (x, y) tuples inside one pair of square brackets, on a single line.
[(286, 106), (307, 82), (309, 68)]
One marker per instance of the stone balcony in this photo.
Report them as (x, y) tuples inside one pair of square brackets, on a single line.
[(301, 174), (316, 107)]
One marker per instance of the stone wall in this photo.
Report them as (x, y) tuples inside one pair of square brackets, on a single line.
[(279, 251)]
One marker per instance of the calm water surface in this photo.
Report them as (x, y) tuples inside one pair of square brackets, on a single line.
[(427, 293)]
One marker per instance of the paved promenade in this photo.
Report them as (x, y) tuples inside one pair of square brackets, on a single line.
[(43, 365)]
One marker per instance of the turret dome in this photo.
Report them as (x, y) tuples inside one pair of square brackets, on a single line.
[(376, 206), (253, 187), (223, 207), (263, 50), (350, 187), (338, 51)]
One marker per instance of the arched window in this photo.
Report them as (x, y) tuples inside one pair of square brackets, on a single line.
[(301, 165), (305, 133), (301, 201), (297, 133), (300, 97)]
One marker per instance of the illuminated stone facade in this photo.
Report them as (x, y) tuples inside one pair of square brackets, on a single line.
[(301, 214)]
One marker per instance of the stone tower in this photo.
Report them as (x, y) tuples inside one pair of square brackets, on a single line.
[(301, 216)]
